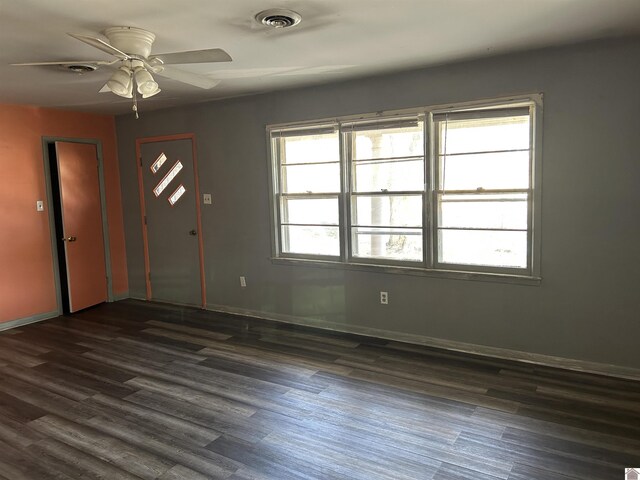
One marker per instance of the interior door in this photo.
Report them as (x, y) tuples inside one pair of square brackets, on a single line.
[(170, 201), (83, 239)]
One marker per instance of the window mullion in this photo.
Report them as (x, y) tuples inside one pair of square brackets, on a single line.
[(430, 242), (345, 157)]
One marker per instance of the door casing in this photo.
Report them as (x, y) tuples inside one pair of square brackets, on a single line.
[(46, 141), (196, 186)]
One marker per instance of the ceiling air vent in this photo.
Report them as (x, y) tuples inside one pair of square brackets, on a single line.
[(81, 67), (278, 18)]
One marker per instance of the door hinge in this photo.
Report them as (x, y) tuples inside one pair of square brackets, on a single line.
[(145, 219), (140, 161), (149, 276)]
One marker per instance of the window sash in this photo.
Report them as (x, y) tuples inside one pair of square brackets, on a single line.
[(282, 241), (351, 194), (283, 200), (438, 190)]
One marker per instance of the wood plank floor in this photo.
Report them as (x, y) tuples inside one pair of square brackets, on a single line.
[(135, 390)]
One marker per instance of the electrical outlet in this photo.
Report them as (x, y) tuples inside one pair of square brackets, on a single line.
[(206, 198), (243, 282), (384, 298)]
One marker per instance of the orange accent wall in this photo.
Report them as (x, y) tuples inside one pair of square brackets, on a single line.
[(27, 285)]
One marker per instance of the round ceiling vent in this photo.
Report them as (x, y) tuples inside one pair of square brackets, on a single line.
[(278, 18), (81, 68)]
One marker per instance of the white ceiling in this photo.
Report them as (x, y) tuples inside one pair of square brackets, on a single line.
[(336, 40)]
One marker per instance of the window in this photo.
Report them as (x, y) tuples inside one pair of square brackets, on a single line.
[(309, 193), (386, 164), (449, 190), (483, 188)]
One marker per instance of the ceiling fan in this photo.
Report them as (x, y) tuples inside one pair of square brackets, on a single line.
[(132, 48)]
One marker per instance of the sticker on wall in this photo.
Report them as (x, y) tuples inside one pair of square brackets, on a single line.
[(171, 174), (175, 196), (155, 166)]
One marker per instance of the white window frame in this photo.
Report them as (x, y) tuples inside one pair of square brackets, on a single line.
[(350, 193), (429, 265), (278, 195)]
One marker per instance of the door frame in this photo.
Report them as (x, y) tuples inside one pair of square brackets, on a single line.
[(143, 211), (46, 142)]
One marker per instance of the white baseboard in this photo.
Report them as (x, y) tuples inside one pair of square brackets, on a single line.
[(27, 320), (487, 351)]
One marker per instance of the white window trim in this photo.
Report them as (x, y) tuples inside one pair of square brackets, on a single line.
[(428, 267)]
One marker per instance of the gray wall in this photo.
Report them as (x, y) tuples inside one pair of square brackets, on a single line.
[(587, 306)]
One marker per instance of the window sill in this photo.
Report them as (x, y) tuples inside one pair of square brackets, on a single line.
[(419, 272)]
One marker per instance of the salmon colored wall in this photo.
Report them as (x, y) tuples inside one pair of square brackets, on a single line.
[(27, 285)]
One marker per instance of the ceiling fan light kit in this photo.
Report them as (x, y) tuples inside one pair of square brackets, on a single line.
[(145, 82), (120, 82), (132, 48)]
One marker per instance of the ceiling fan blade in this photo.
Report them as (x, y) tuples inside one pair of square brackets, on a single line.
[(194, 79), (66, 62), (105, 88), (193, 56), (100, 45)]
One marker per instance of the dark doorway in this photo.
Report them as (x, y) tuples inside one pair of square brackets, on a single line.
[(57, 216)]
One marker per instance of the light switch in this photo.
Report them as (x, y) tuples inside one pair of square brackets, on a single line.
[(40, 206), (206, 198)]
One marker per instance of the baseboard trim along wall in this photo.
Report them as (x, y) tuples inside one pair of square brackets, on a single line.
[(495, 352), (27, 320), (46, 316)]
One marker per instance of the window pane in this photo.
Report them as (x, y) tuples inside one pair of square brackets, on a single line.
[(311, 148), (392, 243), (310, 210), (483, 211), (487, 170), (487, 248), (483, 134), (391, 176), (310, 240), (311, 178), (388, 142), (391, 210)]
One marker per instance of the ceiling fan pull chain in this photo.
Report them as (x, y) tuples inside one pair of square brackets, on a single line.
[(135, 104)]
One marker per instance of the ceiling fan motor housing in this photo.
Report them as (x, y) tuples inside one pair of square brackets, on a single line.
[(131, 40)]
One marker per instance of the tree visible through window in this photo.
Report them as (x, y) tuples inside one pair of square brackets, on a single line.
[(387, 182)]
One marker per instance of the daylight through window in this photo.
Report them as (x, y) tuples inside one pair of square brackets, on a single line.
[(447, 190)]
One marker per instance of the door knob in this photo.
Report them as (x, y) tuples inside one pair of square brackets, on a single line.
[(193, 232), (69, 239)]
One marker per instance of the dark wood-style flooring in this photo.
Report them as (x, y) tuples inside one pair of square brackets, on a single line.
[(138, 390)]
